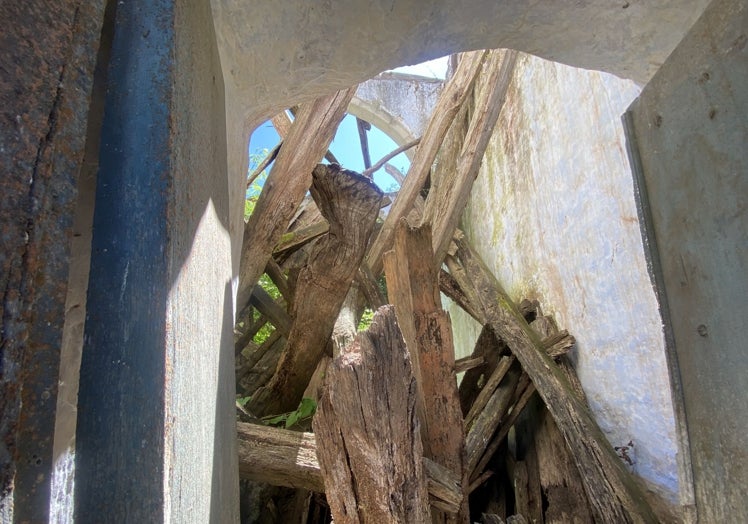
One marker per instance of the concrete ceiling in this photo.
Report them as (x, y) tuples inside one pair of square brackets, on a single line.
[(275, 54)]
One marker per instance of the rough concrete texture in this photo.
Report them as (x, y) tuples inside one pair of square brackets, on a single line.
[(155, 440), (400, 105), (277, 54), (47, 61), (691, 126), (202, 476), (553, 214)]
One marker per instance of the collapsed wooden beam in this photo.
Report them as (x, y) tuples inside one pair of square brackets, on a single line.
[(288, 181), (270, 309), (282, 124), (449, 194), (449, 103), (413, 279), (264, 164), (369, 171), (613, 494), (350, 204), (368, 437), (364, 126), (289, 458)]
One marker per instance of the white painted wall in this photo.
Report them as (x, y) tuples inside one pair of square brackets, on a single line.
[(553, 215)]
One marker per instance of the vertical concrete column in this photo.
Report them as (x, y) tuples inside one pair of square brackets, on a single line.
[(691, 128), (156, 423)]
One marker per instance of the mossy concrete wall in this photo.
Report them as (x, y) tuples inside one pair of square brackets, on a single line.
[(553, 214)]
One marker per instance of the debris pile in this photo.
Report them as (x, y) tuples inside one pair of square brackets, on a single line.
[(395, 438)]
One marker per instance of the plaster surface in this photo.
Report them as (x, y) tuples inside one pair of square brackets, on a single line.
[(400, 105), (277, 54), (156, 427), (552, 213), (691, 127)]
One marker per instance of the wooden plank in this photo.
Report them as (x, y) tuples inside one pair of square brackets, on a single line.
[(486, 422), (287, 183), (559, 477), (350, 204), (363, 126), (262, 371), (282, 124), (368, 439), (274, 271), (534, 491), (468, 363), (546, 327), (289, 458), (613, 493), (489, 348), (488, 390), (521, 496), (505, 426), (370, 287), (449, 194), (278, 457), (450, 287), (264, 164), (399, 295), (432, 346), (270, 309), (450, 100), (295, 239), (369, 171), (433, 343), (458, 273)]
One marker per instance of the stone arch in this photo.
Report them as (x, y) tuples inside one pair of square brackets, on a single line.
[(397, 104)]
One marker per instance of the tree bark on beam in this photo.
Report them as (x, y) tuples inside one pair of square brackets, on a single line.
[(369, 444), (448, 105), (287, 183), (613, 494), (289, 458), (350, 204)]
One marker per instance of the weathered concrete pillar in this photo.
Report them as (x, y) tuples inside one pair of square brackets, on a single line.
[(690, 127), (156, 424), (46, 71)]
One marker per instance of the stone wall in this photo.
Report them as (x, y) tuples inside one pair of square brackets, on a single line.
[(553, 214)]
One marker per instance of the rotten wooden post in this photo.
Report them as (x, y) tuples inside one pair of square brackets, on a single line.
[(448, 105), (412, 281), (368, 438), (288, 181), (350, 204), (613, 494)]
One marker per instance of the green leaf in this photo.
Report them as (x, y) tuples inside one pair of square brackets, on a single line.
[(292, 419), (306, 408)]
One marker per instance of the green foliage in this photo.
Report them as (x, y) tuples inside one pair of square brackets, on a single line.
[(302, 414), (242, 401), (366, 317), (271, 289), (254, 190)]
